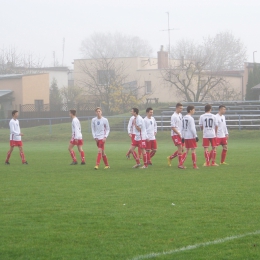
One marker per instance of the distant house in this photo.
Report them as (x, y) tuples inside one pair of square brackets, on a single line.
[(18, 91)]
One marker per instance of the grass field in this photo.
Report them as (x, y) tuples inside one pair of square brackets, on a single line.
[(51, 210)]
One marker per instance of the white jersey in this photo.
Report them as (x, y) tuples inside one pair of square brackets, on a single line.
[(176, 122), (209, 122), (151, 127), (130, 127), (142, 134), (222, 127), (100, 128), (76, 129), (188, 127), (15, 130)]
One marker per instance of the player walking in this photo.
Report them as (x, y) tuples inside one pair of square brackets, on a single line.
[(15, 138), (209, 125), (76, 139), (100, 131), (151, 129), (189, 134), (176, 129), (222, 133), (140, 138), (130, 129)]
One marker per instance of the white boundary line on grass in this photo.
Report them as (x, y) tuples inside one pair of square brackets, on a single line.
[(190, 247)]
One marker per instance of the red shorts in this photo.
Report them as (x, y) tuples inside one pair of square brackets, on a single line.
[(133, 138), (177, 140), (100, 144), (140, 144), (209, 141), (190, 143), (151, 145), (80, 142), (16, 143), (221, 141)]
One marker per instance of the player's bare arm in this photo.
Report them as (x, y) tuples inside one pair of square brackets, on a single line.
[(176, 131)]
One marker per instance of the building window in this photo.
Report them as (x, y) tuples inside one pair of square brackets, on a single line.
[(105, 77), (148, 87), (38, 105)]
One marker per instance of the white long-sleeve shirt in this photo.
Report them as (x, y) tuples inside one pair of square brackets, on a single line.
[(76, 129), (209, 122), (100, 128), (222, 127), (188, 127), (130, 127), (142, 134), (151, 127), (176, 122), (15, 130)]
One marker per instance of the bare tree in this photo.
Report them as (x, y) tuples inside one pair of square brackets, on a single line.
[(199, 72), (106, 81), (99, 45), (13, 62), (71, 96)]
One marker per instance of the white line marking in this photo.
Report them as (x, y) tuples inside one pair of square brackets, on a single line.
[(190, 247)]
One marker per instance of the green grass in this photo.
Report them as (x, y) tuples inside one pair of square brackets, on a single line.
[(50, 210)]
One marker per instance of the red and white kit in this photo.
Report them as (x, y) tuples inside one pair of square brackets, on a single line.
[(189, 132), (222, 130), (140, 136), (176, 122), (209, 122), (100, 130), (76, 132), (15, 131), (151, 129)]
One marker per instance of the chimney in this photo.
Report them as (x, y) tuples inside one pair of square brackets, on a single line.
[(163, 61)]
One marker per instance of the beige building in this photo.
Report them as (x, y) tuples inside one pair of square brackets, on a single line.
[(32, 89), (147, 74)]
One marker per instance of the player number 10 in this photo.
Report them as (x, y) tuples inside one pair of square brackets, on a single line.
[(209, 122)]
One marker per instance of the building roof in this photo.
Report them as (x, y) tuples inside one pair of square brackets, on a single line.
[(11, 76), (256, 87), (5, 92), (50, 69)]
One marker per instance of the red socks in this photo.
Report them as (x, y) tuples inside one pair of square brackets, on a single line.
[(22, 157), (8, 156), (174, 155), (145, 159), (194, 159), (136, 158), (184, 155), (105, 160), (82, 156), (73, 156), (214, 154), (206, 154), (223, 155), (140, 152), (98, 158), (148, 155), (152, 154), (180, 158)]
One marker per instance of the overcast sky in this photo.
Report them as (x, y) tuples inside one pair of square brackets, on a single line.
[(39, 26)]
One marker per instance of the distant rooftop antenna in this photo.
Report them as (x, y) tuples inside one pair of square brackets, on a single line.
[(63, 48), (169, 34)]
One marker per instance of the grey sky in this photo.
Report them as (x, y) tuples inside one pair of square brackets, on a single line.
[(38, 26)]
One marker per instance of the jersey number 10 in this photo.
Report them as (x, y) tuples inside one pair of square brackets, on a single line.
[(209, 122)]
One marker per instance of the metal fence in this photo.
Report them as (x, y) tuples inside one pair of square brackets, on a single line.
[(119, 123)]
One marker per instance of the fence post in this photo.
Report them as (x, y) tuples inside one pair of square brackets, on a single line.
[(50, 127), (161, 122), (124, 125), (239, 123)]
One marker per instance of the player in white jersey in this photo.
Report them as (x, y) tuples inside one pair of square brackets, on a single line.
[(176, 130), (140, 138), (76, 139), (100, 131), (222, 133), (15, 138), (189, 135), (151, 129), (209, 125), (130, 130)]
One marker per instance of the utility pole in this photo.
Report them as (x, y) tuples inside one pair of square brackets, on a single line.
[(169, 35), (254, 56), (63, 48)]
